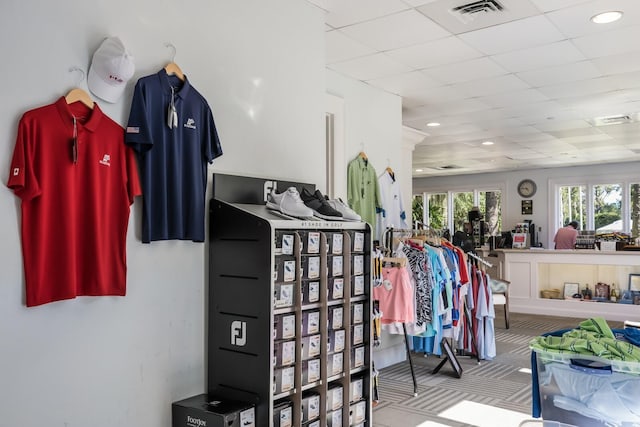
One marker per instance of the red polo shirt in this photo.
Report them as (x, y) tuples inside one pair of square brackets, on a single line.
[(74, 214)]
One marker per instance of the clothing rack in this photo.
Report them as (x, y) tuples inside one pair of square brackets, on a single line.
[(479, 259), (389, 234)]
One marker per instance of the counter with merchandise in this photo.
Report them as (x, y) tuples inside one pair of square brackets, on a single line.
[(541, 277)]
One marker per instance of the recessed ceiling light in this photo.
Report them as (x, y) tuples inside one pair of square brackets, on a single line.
[(433, 124), (606, 17), (487, 143), (418, 170)]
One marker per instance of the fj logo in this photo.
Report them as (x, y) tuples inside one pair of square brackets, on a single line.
[(238, 333), (195, 422), (268, 186)]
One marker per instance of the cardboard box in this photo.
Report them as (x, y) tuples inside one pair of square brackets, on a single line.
[(310, 291), (335, 288), (310, 407), (211, 411), (283, 415), (335, 396), (310, 322)]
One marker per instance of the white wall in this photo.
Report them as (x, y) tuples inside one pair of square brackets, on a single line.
[(373, 124), (111, 361), (508, 182)]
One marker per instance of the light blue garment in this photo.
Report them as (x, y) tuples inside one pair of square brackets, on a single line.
[(609, 398)]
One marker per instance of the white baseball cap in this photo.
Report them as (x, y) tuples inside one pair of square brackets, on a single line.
[(111, 68)]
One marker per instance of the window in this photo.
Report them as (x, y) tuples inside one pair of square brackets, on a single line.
[(607, 208), (634, 210), (438, 210), (450, 210), (490, 204), (462, 204), (573, 205)]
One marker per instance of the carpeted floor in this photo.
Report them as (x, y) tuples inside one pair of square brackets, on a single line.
[(493, 393)]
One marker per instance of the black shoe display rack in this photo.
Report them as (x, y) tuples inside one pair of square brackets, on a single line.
[(289, 323)]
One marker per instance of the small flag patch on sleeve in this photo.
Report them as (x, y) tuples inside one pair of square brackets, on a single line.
[(133, 129)]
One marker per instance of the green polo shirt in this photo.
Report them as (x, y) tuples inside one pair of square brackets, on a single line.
[(363, 193)]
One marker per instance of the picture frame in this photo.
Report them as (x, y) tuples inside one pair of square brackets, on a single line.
[(634, 282), (571, 289), (451, 358)]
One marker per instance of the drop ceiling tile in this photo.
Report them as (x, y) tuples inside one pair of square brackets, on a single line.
[(549, 5), (561, 73), (339, 47), (465, 71), (434, 53), (434, 96), (521, 34), (404, 84), (416, 3), (342, 13), (492, 85), (561, 128), (610, 43), (576, 21), (394, 31), (369, 67), (516, 98), (583, 87), (456, 22), (562, 52), (616, 64)]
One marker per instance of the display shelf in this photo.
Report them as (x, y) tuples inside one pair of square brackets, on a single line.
[(255, 255), (533, 271)]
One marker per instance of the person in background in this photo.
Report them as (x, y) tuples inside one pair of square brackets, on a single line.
[(566, 236)]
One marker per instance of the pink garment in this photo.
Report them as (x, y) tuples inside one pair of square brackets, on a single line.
[(396, 304), (566, 238)]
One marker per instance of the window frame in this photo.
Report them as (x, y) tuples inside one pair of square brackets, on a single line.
[(624, 180), (450, 191)]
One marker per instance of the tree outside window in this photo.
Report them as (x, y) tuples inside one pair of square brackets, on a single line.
[(573, 205), (607, 207)]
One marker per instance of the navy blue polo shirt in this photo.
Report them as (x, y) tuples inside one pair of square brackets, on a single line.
[(172, 161)]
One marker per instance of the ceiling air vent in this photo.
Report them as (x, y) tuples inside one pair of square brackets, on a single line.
[(448, 167), (483, 6), (614, 120)]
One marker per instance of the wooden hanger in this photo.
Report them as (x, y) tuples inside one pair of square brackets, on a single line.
[(172, 68), (363, 156), (78, 94)]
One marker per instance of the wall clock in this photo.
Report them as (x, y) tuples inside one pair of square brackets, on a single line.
[(527, 188)]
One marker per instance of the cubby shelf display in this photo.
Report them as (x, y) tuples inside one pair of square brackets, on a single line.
[(289, 323)]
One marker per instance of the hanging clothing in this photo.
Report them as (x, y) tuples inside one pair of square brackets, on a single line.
[(363, 193), (395, 296), (392, 213), (76, 180)]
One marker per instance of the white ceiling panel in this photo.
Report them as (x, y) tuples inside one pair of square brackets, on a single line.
[(614, 42), (394, 31), (616, 64), (443, 12), (521, 34), (474, 69), (576, 71), (499, 100), (551, 71), (369, 67), (341, 13), (438, 52), (340, 47), (583, 87), (537, 57), (575, 21), (405, 84), (549, 5), (492, 85)]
